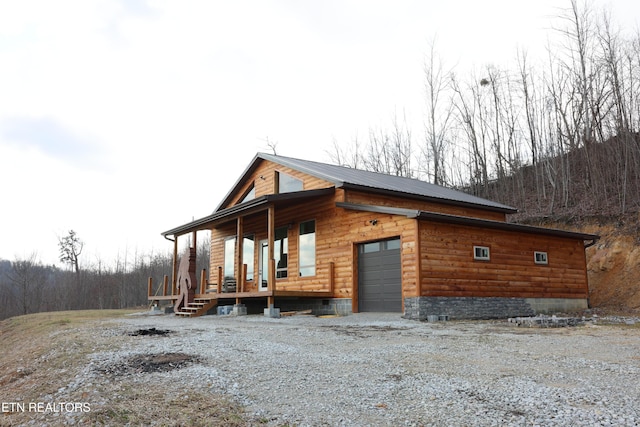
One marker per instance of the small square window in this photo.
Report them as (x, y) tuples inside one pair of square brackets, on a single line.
[(540, 258), (481, 253)]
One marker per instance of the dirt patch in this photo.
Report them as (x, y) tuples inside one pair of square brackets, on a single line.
[(148, 363)]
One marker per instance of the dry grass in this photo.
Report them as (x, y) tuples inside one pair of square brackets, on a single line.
[(44, 352)]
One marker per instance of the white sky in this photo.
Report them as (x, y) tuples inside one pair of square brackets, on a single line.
[(123, 119)]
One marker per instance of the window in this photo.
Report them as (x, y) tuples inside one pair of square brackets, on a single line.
[(370, 247), (287, 184), (248, 254), (384, 245), (393, 244), (249, 195), (481, 253), (540, 258), (281, 251), (229, 259), (307, 248)]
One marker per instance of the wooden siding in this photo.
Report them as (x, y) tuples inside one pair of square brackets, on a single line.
[(449, 269), (437, 258), (407, 203), (263, 178), (338, 232)]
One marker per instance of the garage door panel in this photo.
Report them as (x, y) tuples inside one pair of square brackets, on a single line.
[(380, 280)]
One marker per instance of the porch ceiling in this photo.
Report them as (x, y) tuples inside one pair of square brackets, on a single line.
[(252, 206)]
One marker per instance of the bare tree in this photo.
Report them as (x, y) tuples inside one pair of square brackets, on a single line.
[(469, 104), (349, 156), (70, 249), (390, 152), (438, 115)]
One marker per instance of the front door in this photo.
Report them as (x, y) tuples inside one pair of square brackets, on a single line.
[(263, 271)]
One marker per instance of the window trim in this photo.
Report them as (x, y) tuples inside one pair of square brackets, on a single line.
[(544, 255), (481, 257)]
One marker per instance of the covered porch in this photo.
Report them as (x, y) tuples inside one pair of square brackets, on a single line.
[(220, 287)]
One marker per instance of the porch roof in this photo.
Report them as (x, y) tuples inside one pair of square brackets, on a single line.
[(256, 205)]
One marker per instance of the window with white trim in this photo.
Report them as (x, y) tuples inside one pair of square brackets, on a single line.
[(481, 253), (540, 258)]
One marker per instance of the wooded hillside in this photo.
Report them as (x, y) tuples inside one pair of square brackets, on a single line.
[(551, 136), (556, 137)]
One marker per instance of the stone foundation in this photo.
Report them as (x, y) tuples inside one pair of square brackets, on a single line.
[(418, 308), (318, 307)]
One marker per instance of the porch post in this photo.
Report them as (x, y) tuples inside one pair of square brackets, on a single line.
[(271, 269), (174, 270)]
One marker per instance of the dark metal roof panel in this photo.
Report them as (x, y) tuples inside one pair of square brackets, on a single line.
[(344, 176), (507, 226), (474, 222), (257, 204)]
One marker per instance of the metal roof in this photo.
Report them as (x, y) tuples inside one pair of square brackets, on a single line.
[(345, 177), (254, 205), (474, 222)]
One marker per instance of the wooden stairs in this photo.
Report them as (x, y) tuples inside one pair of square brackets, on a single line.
[(198, 307)]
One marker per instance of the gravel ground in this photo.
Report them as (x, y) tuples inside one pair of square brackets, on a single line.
[(382, 370)]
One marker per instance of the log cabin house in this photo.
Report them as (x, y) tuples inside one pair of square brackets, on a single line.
[(295, 234)]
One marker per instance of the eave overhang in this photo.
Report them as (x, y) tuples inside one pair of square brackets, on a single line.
[(444, 201), (252, 206), (591, 239)]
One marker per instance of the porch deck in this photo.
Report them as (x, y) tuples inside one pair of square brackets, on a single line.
[(243, 295), (209, 295)]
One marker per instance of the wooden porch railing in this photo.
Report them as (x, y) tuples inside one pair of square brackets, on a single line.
[(164, 287), (168, 294)]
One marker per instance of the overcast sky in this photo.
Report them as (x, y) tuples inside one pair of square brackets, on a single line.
[(123, 119)]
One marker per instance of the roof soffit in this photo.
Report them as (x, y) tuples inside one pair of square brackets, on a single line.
[(250, 207)]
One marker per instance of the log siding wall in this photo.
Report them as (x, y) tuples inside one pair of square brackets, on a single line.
[(449, 269), (263, 180), (338, 232), (437, 258)]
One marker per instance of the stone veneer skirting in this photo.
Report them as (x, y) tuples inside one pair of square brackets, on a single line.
[(418, 308), (319, 307)]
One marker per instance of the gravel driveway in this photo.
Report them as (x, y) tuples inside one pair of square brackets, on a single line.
[(379, 369)]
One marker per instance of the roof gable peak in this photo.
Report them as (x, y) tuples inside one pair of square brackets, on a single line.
[(346, 177)]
